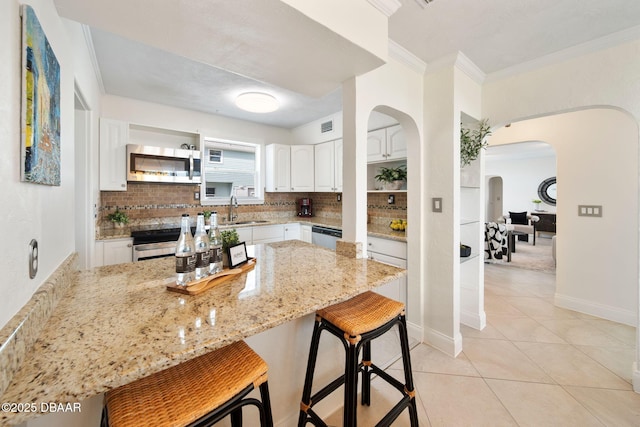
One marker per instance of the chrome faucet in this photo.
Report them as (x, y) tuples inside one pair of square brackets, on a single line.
[(233, 203)]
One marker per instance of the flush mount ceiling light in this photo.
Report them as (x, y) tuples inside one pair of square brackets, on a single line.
[(257, 102)]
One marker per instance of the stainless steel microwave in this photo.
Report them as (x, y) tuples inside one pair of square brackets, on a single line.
[(160, 164)]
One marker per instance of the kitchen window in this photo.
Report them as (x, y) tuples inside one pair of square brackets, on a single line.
[(232, 168)]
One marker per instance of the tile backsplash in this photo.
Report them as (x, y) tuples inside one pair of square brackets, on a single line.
[(149, 202)]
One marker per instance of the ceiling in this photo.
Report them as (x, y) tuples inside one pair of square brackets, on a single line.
[(200, 54)]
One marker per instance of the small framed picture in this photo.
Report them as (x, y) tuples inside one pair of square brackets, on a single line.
[(237, 255)]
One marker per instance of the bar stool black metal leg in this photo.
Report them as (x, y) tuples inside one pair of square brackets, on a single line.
[(408, 376), (308, 379), (236, 418), (266, 403), (351, 384), (366, 374)]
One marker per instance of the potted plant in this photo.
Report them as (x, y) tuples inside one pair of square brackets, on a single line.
[(229, 238), (472, 141), (537, 202), (392, 178), (118, 218)]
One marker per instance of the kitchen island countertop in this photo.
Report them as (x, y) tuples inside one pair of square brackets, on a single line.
[(118, 323)]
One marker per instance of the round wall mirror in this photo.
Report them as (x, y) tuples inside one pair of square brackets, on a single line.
[(547, 191)]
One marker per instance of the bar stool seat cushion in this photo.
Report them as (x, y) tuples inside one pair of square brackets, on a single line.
[(186, 392), (362, 313)]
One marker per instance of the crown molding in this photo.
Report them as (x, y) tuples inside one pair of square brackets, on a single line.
[(403, 56), (592, 46), (461, 62), (86, 31), (388, 7), (469, 68)]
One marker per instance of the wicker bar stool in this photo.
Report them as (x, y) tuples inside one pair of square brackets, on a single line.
[(199, 392), (356, 322)]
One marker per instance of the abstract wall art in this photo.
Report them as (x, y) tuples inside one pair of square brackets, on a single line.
[(40, 105)]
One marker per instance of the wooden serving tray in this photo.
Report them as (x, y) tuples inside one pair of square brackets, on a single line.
[(199, 286)]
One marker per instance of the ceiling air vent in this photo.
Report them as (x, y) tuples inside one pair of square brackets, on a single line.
[(326, 126)]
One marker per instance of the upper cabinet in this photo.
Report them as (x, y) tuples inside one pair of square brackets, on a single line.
[(302, 166), (114, 136), (328, 166), (386, 144), (289, 168)]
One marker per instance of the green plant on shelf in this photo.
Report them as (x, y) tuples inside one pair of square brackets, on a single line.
[(472, 141), (392, 174)]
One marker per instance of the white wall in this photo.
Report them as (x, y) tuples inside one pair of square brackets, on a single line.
[(521, 178), (31, 211)]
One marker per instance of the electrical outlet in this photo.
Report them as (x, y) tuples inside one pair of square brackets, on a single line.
[(436, 204), (392, 199), (196, 195), (339, 197)]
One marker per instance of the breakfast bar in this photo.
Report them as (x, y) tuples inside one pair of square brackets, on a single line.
[(119, 323)]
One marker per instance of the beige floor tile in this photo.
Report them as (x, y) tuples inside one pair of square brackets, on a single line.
[(499, 305), (523, 329), (538, 308), (618, 360), (425, 358), (620, 331), (535, 405), (489, 332), (614, 408), (383, 398), (580, 332), (460, 401), (569, 366), (502, 359)]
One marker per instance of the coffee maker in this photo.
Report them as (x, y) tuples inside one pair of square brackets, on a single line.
[(304, 207)]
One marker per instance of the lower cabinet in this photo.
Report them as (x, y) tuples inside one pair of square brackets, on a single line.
[(394, 253), (292, 232), (113, 251), (268, 234), (305, 231)]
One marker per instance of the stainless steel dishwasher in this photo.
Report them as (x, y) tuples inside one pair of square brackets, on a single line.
[(325, 236)]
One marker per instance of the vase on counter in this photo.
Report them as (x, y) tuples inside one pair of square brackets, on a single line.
[(118, 224)]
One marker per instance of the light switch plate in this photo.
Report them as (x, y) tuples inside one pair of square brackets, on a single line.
[(590, 210)]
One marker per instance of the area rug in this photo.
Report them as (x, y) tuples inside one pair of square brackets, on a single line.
[(531, 257)]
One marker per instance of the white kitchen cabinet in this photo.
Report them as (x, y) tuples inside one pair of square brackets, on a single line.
[(268, 233), (278, 168), (292, 232), (392, 252), (289, 168), (305, 231), (386, 144), (328, 166), (245, 234), (302, 166), (114, 251), (114, 137)]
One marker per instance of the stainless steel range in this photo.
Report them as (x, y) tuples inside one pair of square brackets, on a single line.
[(155, 243)]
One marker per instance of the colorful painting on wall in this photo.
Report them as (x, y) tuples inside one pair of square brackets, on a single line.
[(40, 104)]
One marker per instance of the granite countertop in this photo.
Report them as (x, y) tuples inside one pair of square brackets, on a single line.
[(382, 231), (119, 323)]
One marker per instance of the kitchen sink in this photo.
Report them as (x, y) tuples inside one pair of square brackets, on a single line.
[(261, 221)]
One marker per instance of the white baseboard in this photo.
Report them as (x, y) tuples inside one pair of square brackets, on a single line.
[(444, 343), (603, 311), (415, 331), (473, 320)]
